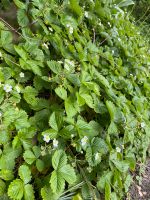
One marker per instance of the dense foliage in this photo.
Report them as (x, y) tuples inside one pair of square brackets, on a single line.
[(141, 12), (74, 101)]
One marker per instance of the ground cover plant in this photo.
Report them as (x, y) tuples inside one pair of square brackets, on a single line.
[(74, 100)]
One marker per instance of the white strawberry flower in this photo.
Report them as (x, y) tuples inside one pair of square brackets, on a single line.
[(55, 143), (118, 149), (143, 125), (45, 45), (97, 156), (46, 138), (86, 14), (7, 88), (70, 29), (50, 29), (84, 140), (0, 114), (0, 54), (21, 75)]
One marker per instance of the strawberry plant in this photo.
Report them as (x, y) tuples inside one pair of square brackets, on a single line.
[(74, 100)]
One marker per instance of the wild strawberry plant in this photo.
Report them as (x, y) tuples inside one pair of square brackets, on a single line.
[(74, 100)]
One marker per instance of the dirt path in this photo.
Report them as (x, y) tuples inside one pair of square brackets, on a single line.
[(141, 192)]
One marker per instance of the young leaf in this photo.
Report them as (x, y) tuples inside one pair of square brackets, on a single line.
[(6, 174), (15, 190), (25, 173), (28, 192)]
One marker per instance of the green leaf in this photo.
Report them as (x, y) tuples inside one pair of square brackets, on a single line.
[(68, 173), (22, 18), (112, 129), (30, 94), (40, 165), (7, 159), (19, 4), (71, 107), (61, 92), (57, 182), (106, 177), (93, 86), (127, 183), (6, 174), (25, 173), (88, 99), (125, 3), (74, 5), (28, 192), (77, 197), (15, 190), (37, 151), (111, 109), (29, 157), (51, 133), (54, 66), (59, 159), (67, 132), (56, 120), (22, 53), (47, 194), (121, 165), (107, 191), (6, 37), (2, 187), (4, 136), (66, 19)]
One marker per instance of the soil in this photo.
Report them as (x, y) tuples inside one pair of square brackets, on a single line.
[(142, 191)]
